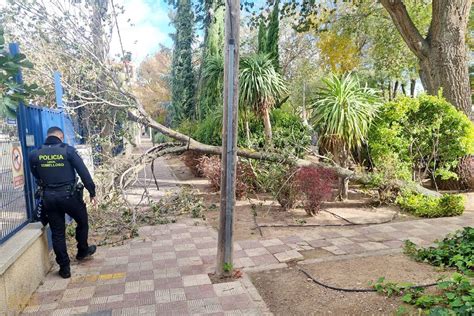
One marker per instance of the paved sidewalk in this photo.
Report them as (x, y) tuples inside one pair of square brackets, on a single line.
[(352, 240), (165, 271)]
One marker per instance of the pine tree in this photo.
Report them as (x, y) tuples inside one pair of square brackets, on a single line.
[(182, 82), (272, 37)]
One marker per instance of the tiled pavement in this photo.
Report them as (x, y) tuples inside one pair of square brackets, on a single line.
[(165, 271)]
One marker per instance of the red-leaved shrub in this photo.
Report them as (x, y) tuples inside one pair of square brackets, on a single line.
[(315, 185), (211, 169), (191, 159)]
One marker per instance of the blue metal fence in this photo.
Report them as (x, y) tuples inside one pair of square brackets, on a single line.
[(15, 203), (29, 131)]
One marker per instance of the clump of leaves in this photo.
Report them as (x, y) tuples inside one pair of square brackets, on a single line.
[(385, 179), (178, 203), (456, 250), (228, 267), (454, 296), (425, 206), (191, 159), (391, 288), (278, 180), (245, 179), (300, 221), (11, 92), (315, 184), (426, 132)]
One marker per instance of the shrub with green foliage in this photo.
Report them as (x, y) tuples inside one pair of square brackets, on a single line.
[(289, 133), (278, 180), (209, 130), (455, 250), (425, 206), (453, 297), (11, 92), (425, 134), (384, 179)]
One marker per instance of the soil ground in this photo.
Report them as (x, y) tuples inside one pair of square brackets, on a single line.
[(269, 213), (289, 292)]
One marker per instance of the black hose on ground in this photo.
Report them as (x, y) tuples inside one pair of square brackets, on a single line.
[(367, 290)]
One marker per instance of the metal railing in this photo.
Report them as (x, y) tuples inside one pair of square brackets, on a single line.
[(13, 210)]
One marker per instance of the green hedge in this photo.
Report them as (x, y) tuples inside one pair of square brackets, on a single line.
[(424, 206)]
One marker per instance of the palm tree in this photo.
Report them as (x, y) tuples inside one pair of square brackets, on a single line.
[(342, 113), (260, 86), (213, 74)]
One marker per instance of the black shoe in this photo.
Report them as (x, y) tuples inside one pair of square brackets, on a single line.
[(90, 251), (65, 272)]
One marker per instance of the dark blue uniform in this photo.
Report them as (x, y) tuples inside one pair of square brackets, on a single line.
[(54, 165)]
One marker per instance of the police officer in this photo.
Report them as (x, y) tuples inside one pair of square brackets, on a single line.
[(54, 165)]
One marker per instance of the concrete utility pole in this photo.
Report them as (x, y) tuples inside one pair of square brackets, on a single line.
[(229, 139)]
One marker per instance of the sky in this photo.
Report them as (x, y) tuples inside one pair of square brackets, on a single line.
[(149, 27), (143, 27)]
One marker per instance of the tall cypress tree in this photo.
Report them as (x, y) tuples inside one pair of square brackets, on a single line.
[(262, 38), (213, 47), (182, 82), (273, 35)]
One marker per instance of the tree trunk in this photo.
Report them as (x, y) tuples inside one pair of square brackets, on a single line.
[(343, 188), (442, 54), (343, 181), (247, 131), (395, 89), (139, 115), (446, 65), (412, 87), (268, 126), (304, 115), (390, 90), (404, 90)]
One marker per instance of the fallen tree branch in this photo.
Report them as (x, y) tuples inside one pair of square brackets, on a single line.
[(144, 118), (139, 115)]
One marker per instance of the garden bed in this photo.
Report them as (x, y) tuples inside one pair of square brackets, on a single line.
[(290, 292), (274, 221)]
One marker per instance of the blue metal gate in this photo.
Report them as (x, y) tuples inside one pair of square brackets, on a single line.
[(27, 131)]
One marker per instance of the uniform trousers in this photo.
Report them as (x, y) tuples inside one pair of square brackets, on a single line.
[(56, 205)]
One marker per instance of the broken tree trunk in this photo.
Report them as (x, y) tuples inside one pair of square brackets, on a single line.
[(141, 116)]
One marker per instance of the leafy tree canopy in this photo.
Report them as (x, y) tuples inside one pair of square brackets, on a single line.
[(12, 93)]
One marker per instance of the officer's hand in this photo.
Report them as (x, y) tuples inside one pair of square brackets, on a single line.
[(94, 201)]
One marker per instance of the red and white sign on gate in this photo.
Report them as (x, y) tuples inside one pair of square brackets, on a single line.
[(17, 166)]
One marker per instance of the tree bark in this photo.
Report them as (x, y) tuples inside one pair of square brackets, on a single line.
[(230, 124), (412, 87), (139, 115), (268, 126), (343, 181), (247, 132), (343, 189), (442, 54), (390, 90), (404, 90), (395, 89)]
